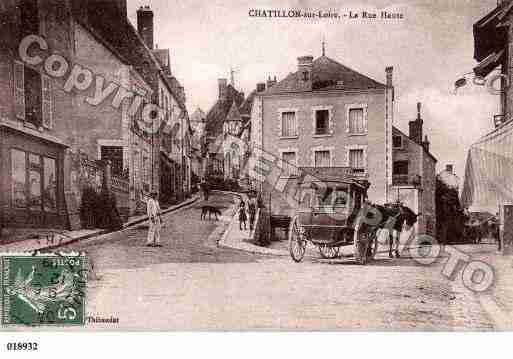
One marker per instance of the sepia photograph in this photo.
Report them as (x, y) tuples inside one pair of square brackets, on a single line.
[(255, 166)]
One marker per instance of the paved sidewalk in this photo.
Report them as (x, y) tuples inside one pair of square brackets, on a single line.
[(242, 239), (60, 238)]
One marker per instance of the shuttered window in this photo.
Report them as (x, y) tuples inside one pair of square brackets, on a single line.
[(19, 90), (288, 124), (46, 87), (356, 160), (322, 158), (356, 121)]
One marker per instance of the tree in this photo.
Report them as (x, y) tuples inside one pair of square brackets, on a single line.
[(450, 217)]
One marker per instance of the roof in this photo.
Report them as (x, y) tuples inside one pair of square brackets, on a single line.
[(414, 143), (217, 114), (247, 105), (104, 18), (327, 74)]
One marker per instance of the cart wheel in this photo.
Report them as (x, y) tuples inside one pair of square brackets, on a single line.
[(297, 242), (328, 252)]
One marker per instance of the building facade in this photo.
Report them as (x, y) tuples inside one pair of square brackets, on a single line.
[(327, 115)]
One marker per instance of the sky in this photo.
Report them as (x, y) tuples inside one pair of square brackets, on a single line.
[(429, 49)]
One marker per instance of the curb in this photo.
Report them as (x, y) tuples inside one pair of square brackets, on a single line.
[(94, 233)]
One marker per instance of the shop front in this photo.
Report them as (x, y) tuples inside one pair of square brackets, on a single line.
[(32, 180)]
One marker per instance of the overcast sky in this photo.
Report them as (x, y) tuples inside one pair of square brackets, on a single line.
[(430, 49)]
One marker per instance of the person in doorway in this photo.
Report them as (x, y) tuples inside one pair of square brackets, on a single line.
[(242, 215), (155, 221)]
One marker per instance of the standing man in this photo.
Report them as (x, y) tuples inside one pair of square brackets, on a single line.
[(155, 221), (252, 206)]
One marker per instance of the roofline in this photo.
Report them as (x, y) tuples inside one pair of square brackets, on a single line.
[(323, 92), (409, 139)]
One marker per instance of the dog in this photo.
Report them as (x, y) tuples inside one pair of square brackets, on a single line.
[(210, 210)]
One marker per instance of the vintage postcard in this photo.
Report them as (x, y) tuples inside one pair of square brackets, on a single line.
[(303, 165)]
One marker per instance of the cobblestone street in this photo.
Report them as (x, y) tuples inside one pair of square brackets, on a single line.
[(191, 284)]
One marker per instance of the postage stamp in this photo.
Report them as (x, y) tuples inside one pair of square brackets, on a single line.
[(43, 289)]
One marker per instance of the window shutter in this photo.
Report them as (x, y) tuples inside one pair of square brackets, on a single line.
[(19, 90), (47, 102)]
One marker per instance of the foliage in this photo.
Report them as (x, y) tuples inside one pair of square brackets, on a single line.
[(450, 217)]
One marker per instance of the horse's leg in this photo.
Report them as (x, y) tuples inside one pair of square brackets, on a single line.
[(390, 242), (397, 236)]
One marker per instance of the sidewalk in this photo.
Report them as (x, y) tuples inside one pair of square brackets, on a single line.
[(54, 239), (242, 240)]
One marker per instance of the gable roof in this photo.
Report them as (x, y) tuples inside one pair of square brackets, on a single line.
[(233, 114), (327, 74), (217, 114), (397, 131)]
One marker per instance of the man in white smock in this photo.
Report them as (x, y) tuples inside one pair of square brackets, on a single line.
[(155, 221)]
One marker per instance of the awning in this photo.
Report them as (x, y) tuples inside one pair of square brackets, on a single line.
[(489, 171), (489, 32), (489, 64)]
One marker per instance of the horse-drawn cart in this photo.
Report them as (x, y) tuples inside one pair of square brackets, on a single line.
[(327, 217)]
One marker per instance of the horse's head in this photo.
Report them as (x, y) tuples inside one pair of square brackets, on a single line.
[(406, 215)]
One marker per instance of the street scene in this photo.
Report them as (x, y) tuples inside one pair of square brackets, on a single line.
[(166, 172)]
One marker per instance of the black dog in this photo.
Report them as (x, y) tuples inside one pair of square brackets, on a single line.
[(210, 210)]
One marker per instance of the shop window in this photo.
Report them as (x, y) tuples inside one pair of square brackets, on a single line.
[(18, 179), (49, 185), (33, 182)]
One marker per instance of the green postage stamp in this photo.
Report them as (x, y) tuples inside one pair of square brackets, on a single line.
[(43, 289)]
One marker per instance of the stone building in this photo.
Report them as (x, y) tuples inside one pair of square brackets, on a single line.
[(78, 99), (327, 115)]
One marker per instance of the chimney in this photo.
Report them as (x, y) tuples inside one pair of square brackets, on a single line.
[(426, 143), (223, 89), (449, 168), (270, 82), (416, 126), (145, 25), (260, 87), (389, 70), (305, 66)]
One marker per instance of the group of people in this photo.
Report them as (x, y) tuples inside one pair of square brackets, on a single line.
[(244, 211)]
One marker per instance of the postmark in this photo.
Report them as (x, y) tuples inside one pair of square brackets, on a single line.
[(43, 289)]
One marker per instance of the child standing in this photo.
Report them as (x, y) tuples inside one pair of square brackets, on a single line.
[(242, 215)]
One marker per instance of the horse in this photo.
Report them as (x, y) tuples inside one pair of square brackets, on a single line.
[(392, 217)]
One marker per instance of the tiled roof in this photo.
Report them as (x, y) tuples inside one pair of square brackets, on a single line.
[(327, 74), (247, 105)]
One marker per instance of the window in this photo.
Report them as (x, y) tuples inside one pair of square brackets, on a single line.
[(33, 182), (357, 121), (114, 154), (322, 159), (33, 100), (356, 160), (397, 141), (18, 179), (305, 76), (33, 96), (400, 168), (29, 17), (288, 124), (322, 123), (289, 164)]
